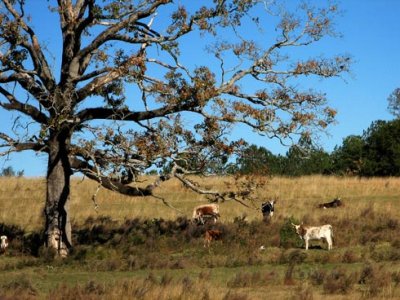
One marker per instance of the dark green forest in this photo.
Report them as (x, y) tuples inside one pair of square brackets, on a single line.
[(374, 153)]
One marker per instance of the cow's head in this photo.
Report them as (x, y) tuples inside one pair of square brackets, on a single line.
[(296, 227), (300, 230), (338, 201)]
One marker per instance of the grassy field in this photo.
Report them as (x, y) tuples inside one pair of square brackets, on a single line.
[(138, 248)]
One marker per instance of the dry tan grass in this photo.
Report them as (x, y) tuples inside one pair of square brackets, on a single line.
[(22, 199)]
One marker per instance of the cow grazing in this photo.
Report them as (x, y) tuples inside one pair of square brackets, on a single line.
[(267, 209), (211, 235), (206, 211), (4, 243), (337, 202), (308, 233)]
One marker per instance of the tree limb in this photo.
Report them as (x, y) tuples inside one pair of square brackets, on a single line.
[(26, 109), (115, 185)]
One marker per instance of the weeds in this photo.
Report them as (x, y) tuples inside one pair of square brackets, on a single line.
[(374, 280), (245, 279), (339, 282)]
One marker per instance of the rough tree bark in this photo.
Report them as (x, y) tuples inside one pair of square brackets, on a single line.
[(58, 226)]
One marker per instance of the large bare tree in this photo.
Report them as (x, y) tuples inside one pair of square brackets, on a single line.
[(123, 97)]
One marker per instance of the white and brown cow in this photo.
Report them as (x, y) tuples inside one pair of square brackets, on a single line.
[(206, 210), (4, 243), (308, 233), (211, 235)]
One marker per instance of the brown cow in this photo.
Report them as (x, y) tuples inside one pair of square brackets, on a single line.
[(206, 210), (211, 235)]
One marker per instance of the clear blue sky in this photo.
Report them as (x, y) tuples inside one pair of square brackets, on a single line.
[(371, 34)]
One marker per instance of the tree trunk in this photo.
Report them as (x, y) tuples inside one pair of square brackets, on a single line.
[(58, 226)]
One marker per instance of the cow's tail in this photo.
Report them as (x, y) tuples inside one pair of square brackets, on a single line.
[(331, 228)]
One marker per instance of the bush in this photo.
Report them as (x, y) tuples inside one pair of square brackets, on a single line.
[(317, 277), (338, 282), (349, 257), (303, 292), (246, 279), (288, 236), (19, 286), (374, 279)]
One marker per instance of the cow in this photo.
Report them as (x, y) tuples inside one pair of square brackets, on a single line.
[(211, 235), (333, 204), (4, 243), (308, 233), (267, 209), (206, 210)]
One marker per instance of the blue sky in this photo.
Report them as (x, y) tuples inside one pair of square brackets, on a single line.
[(371, 35)]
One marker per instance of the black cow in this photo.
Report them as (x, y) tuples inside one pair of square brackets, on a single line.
[(267, 209), (333, 204)]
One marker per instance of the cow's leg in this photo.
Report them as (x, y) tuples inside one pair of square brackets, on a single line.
[(306, 243), (329, 240)]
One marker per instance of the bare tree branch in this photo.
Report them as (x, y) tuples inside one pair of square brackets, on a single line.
[(27, 109), (16, 146)]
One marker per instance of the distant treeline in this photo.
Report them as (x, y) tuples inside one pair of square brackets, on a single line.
[(375, 153)]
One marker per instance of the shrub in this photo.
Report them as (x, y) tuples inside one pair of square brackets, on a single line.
[(338, 282), (349, 257), (20, 285), (288, 236), (303, 292), (293, 257), (235, 296), (317, 277), (374, 279), (246, 279)]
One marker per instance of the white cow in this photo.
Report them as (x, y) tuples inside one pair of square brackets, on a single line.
[(209, 210), (315, 233), (4, 243)]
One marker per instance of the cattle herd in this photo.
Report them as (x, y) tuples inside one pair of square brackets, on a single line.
[(206, 212), (210, 213)]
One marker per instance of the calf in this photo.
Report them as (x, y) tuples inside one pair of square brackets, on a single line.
[(211, 235), (4, 243), (333, 204), (267, 209), (206, 210), (308, 233)]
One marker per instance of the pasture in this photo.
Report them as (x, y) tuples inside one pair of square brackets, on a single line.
[(138, 248)]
